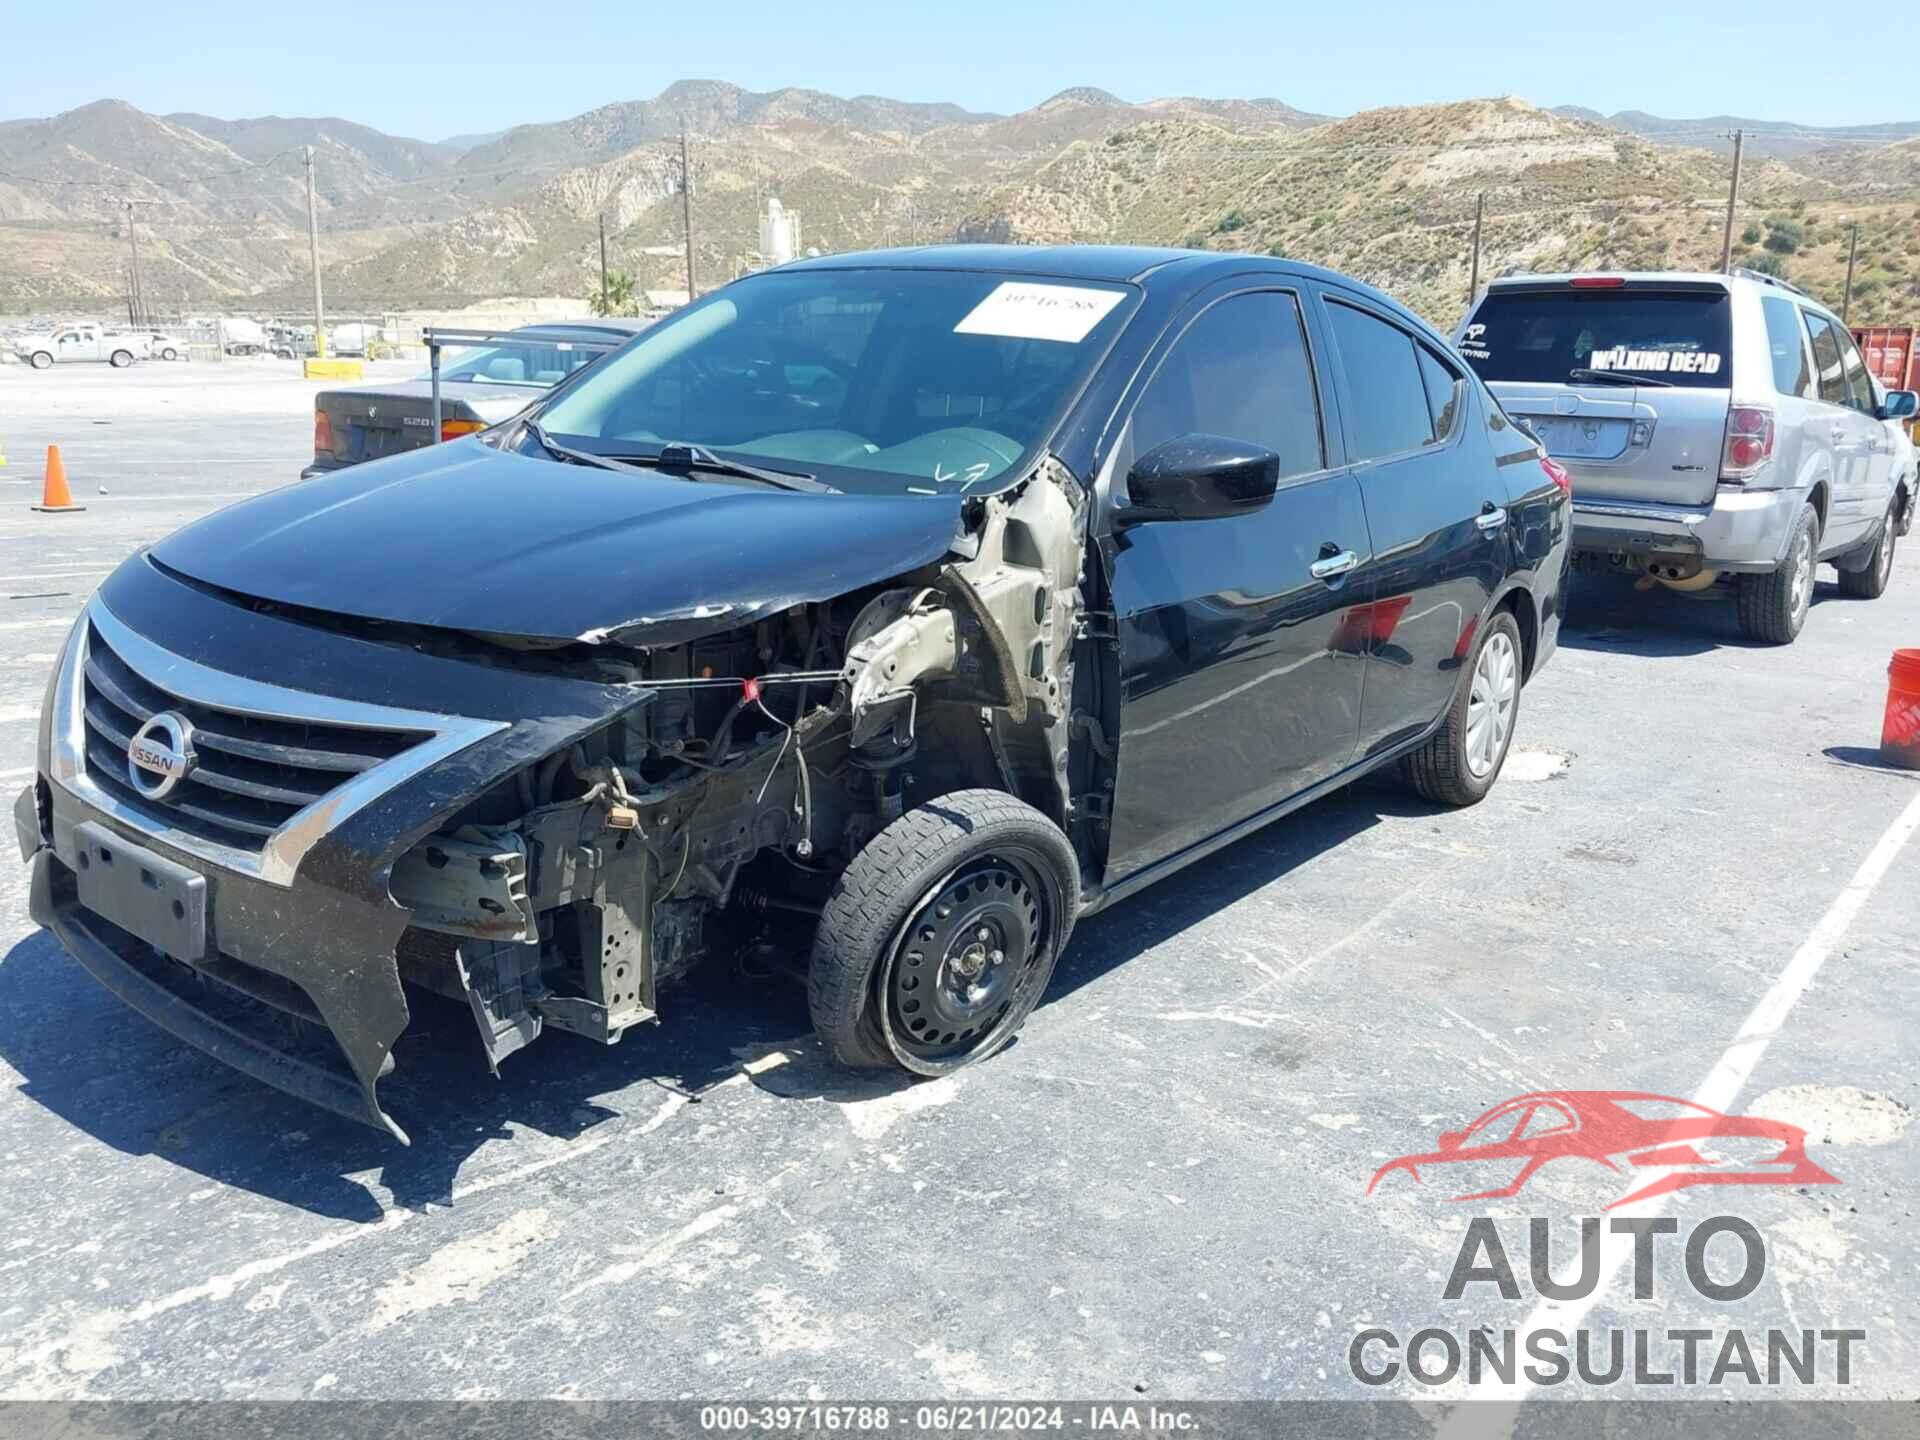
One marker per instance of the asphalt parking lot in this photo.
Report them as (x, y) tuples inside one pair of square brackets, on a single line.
[(1691, 881)]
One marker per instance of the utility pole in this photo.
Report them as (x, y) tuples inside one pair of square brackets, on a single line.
[(313, 254), (1733, 201), (686, 206), (1853, 250), (603, 262), (1473, 276), (139, 304)]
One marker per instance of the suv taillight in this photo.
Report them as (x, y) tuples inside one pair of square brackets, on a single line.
[(322, 433), (1557, 473), (1749, 441)]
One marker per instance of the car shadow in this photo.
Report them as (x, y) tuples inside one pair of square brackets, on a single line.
[(110, 1073), (1105, 941), (1608, 614)]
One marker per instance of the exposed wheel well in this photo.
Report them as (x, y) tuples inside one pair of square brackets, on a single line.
[(1520, 603), (1818, 499)]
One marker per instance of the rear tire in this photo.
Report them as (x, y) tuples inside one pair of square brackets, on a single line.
[(1871, 583), (1460, 763), (939, 939), (169, 354), (120, 359), (1773, 607)]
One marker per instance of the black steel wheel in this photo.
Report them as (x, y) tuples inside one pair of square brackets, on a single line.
[(940, 937)]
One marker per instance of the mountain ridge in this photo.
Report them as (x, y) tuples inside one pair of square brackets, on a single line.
[(1386, 194)]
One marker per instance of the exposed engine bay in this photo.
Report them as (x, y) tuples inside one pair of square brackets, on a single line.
[(714, 818)]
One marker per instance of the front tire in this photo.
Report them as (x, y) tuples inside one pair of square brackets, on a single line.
[(1460, 763), (41, 360), (1773, 607), (939, 939), (120, 359), (1871, 583)]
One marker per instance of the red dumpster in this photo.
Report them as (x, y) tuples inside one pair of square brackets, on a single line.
[(1889, 351)]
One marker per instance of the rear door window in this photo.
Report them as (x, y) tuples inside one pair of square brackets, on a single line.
[(1682, 337), (1445, 386), (1386, 396), (1859, 382), (1792, 375), (1828, 366)]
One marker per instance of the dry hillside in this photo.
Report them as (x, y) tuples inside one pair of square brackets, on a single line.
[(1387, 195)]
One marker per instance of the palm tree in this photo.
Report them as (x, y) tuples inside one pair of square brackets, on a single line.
[(619, 297)]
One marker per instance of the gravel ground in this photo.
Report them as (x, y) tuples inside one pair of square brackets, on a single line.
[(1161, 1191)]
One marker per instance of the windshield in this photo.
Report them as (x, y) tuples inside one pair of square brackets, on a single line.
[(541, 365), (880, 381), (1679, 337)]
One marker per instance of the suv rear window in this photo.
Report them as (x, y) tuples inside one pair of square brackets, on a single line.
[(1682, 337)]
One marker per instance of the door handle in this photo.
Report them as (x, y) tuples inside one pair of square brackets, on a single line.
[(1328, 567), (1491, 517)]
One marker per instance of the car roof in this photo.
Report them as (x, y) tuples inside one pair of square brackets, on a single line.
[(1153, 268), (598, 325), (1764, 283)]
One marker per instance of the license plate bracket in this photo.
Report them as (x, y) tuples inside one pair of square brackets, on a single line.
[(1580, 438), (162, 903)]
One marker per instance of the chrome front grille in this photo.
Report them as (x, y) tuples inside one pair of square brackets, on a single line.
[(254, 773), (274, 770)]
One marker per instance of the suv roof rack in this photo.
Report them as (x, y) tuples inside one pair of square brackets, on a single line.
[(1765, 279)]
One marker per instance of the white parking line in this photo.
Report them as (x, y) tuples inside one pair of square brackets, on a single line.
[(1718, 1091)]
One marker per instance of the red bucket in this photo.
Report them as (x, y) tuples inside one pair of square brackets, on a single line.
[(1900, 733)]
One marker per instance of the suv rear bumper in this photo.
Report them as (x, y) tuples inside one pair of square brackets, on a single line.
[(1745, 531)]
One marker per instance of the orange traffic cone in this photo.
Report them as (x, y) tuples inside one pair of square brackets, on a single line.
[(55, 497)]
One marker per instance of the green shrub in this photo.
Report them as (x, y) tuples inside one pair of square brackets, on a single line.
[(1750, 235), (1231, 221)]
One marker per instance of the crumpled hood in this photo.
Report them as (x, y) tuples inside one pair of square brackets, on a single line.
[(467, 537)]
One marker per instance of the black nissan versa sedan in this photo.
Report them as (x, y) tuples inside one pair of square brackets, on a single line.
[(906, 606)]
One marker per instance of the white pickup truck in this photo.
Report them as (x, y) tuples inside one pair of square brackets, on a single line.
[(81, 342)]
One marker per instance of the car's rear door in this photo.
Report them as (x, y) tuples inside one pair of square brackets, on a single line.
[(1852, 432), (1436, 509), (1877, 474), (1626, 382), (1238, 688)]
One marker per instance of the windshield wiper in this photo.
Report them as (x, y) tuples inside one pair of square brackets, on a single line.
[(680, 455), (676, 457), (577, 457), (1615, 377)]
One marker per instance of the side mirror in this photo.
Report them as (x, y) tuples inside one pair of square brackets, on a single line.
[(1451, 1139), (1200, 477), (1899, 405)]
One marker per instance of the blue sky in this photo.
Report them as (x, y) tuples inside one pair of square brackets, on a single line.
[(431, 68)]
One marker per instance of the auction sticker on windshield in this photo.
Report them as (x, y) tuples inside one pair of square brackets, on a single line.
[(1020, 311)]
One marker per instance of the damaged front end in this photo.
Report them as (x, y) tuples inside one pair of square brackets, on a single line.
[(712, 818), (548, 831)]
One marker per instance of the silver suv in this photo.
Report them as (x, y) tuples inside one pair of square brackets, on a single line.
[(1713, 425)]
